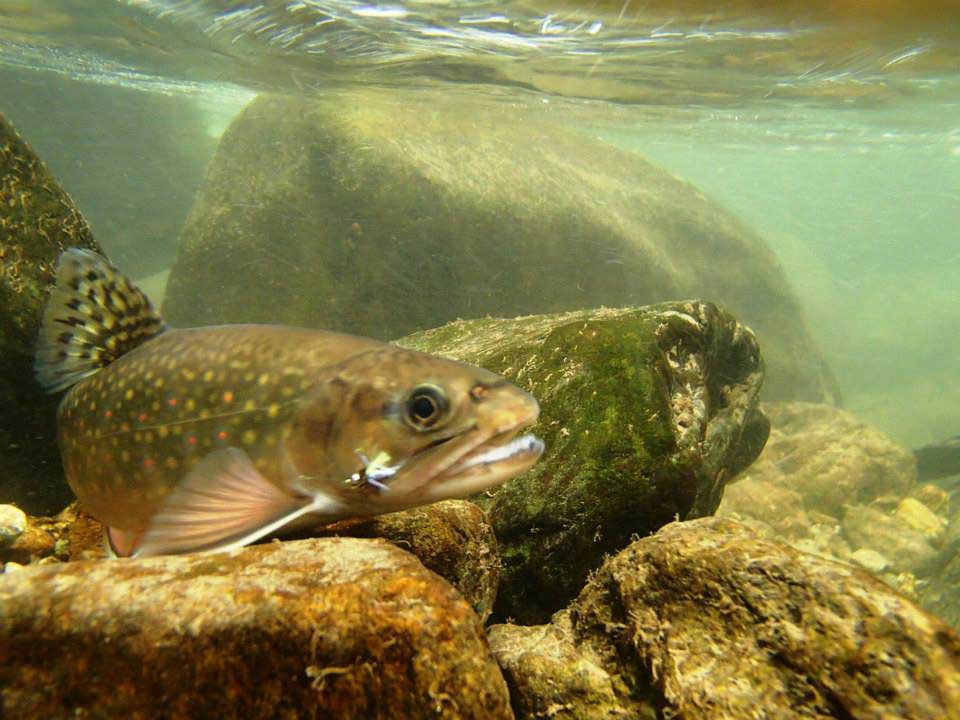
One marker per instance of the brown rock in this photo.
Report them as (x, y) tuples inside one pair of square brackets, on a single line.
[(453, 538), (706, 620), (331, 627)]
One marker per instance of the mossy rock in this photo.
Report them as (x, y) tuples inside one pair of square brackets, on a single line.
[(37, 221), (647, 413), (382, 213)]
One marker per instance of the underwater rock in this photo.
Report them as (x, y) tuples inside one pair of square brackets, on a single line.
[(706, 620), (918, 516), (331, 627), (906, 548), (829, 457), (646, 414), (453, 538), (132, 160), (382, 214), (37, 221), (550, 675), (780, 507), (870, 560), (13, 521)]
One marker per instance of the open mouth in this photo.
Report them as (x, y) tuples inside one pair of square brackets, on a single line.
[(466, 464), (497, 451)]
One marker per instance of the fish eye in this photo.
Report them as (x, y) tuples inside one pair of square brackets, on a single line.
[(426, 405)]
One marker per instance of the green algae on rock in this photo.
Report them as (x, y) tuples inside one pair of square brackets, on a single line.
[(37, 221), (381, 214), (707, 621), (331, 627), (646, 412)]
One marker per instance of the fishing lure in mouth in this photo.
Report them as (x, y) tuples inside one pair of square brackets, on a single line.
[(210, 438)]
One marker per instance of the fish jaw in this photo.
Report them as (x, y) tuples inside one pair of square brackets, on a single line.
[(483, 456)]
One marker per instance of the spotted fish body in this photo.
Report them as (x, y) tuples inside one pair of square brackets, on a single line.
[(209, 438)]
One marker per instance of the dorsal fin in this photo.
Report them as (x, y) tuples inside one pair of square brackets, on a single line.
[(94, 315)]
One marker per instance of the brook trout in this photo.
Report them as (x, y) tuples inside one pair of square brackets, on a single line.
[(210, 438)]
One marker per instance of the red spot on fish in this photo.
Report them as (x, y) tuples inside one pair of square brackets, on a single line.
[(108, 414), (172, 402), (192, 439), (222, 435), (149, 463), (228, 397), (141, 417)]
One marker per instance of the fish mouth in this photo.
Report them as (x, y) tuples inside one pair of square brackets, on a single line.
[(468, 463)]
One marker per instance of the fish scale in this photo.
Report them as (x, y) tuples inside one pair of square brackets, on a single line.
[(209, 438)]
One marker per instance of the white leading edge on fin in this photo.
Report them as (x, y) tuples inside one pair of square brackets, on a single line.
[(224, 503)]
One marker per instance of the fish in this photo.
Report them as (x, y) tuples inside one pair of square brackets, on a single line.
[(939, 462), (209, 438)]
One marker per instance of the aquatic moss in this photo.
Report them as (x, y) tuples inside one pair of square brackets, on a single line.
[(37, 221), (646, 413)]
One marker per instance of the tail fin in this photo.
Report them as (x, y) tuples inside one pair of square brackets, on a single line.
[(93, 316)]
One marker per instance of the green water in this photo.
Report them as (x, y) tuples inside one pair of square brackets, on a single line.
[(836, 138)]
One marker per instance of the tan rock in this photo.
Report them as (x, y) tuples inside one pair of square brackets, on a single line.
[(830, 458), (332, 627), (706, 621), (907, 549), (13, 521), (922, 519)]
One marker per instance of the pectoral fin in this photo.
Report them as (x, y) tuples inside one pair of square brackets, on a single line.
[(222, 504)]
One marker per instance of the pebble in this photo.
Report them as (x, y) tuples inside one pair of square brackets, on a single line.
[(918, 516), (870, 560), (13, 521)]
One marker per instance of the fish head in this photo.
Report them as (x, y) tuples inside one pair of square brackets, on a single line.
[(396, 428)]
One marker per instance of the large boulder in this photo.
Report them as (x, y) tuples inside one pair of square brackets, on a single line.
[(381, 214), (37, 221), (647, 413), (131, 160), (707, 620), (331, 627)]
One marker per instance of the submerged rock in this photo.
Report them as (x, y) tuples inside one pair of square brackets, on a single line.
[(37, 221), (646, 412), (830, 458), (331, 627), (382, 214), (907, 549), (453, 538), (13, 521), (707, 620)]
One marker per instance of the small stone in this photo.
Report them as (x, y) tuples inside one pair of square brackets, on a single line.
[(12, 567), (907, 549), (921, 518), (13, 521), (870, 560), (935, 498)]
